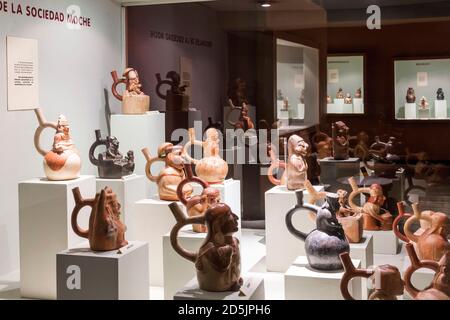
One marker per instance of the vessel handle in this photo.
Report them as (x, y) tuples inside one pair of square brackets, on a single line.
[(300, 205), (148, 166), (43, 124), (190, 178), (80, 203), (401, 215), (351, 272), (116, 82), (98, 142)]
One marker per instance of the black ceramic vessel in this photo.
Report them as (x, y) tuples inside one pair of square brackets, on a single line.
[(176, 99), (111, 163), (440, 94), (325, 243)]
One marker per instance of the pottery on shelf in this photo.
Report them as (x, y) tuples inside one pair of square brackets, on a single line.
[(171, 175), (175, 97), (375, 217), (62, 162), (296, 166), (325, 243), (244, 122), (386, 162), (134, 101), (358, 93), (424, 105), (111, 163), (348, 99), (106, 231), (432, 243), (323, 145), (238, 92), (410, 96), (386, 280), (340, 140), (440, 286), (211, 168), (340, 94), (440, 94), (218, 261), (198, 204)]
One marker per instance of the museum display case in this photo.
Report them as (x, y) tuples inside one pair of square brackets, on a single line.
[(423, 81), (346, 84)]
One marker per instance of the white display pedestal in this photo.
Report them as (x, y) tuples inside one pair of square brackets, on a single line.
[(303, 283), (422, 278), (129, 189), (440, 109), (363, 251), (230, 193), (347, 108), (252, 289), (384, 242), (339, 105), (424, 113), (113, 275), (136, 132), (358, 105), (149, 222), (281, 246), (331, 108), (410, 111), (300, 111), (283, 114), (45, 210)]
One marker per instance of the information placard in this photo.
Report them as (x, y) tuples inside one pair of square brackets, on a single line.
[(23, 67)]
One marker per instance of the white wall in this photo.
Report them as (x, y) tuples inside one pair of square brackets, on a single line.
[(74, 70)]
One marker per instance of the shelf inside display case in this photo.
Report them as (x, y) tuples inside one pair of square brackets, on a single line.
[(420, 88), (345, 84)]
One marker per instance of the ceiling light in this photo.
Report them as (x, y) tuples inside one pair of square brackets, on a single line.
[(265, 4)]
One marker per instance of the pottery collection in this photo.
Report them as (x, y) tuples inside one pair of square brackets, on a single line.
[(106, 231), (175, 96), (386, 162), (111, 163), (171, 175), (62, 162), (340, 138), (211, 168), (324, 244), (134, 101), (375, 217), (218, 261)]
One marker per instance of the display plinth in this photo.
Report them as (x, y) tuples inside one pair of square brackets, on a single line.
[(234, 116), (136, 132), (331, 108), (300, 111), (252, 289), (339, 105), (424, 113), (347, 108), (384, 242), (281, 246), (301, 282), (230, 193), (45, 210), (363, 251), (358, 105), (410, 111), (331, 170), (129, 189), (421, 279), (149, 222), (113, 275), (283, 114), (440, 109)]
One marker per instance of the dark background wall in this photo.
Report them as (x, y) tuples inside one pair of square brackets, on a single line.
[(150, 55), (381, 47)]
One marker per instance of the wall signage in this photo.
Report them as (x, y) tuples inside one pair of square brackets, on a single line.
[(180, 39)]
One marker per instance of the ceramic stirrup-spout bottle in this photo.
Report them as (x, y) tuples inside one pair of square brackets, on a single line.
[(218, 261), (439, 288), (212, 168), (134, 101), (106, 232), (63, 161), (275, 165), (198, 204), (324, 244), (432, 243), (386, 280)]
